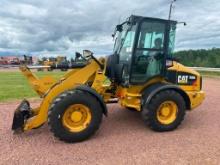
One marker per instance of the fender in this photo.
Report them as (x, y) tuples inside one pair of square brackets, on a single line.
[(94, 93), (151, 91)]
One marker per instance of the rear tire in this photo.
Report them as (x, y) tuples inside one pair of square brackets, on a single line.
[(60, 106), (150, 112)]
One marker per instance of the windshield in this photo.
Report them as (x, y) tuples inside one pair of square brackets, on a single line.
[(124, 42)]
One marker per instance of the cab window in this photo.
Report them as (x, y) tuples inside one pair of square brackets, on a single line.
[(149, 54)]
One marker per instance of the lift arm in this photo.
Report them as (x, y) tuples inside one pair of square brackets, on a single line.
[(40, 85)]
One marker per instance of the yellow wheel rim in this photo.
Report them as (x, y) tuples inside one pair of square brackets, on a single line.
[(167, 112), (77, 117)]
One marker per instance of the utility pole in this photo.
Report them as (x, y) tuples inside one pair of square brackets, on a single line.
[(171, 7)]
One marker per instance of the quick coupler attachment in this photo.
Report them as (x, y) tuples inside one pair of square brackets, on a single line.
[(21, 114)]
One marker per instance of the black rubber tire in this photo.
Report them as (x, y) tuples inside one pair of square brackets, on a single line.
[(61, 103), (149, 112)]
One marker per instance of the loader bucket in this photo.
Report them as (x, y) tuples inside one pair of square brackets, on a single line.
[(22, 113)]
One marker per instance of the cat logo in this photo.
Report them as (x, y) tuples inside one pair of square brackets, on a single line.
[(183, 79)]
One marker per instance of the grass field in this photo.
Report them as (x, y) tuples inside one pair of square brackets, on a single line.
[(13, 85)]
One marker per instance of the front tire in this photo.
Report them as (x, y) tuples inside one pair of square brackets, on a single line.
[(74, 116), (165, 112)]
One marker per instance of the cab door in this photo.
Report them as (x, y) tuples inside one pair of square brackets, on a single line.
[(149, 53)]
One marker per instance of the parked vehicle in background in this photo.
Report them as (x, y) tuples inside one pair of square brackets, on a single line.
[(14, 61), (3, 61)]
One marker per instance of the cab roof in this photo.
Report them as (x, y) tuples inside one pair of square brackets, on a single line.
[(135, 18)]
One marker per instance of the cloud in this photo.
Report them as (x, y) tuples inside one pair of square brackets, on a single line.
[(63, 26)]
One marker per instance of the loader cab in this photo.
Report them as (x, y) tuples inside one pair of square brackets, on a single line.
[(142, 47)]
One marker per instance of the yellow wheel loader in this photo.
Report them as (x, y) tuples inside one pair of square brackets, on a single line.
[(140, 74)]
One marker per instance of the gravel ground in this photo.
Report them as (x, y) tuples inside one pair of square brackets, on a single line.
[(122, 139)]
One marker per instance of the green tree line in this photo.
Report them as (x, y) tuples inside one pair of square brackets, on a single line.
[(199, 58)]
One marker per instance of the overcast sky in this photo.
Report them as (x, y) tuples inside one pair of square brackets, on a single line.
[(64, 26)]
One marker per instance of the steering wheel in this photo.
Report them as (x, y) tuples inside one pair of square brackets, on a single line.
[(150, 58), (142, 56), (147, 59)]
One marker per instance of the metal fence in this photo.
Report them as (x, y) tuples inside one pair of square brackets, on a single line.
[(206, 69)]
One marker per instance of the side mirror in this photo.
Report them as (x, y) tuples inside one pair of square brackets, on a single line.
[(184, 23), (87, 54), (77, 55), (119, 28)]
